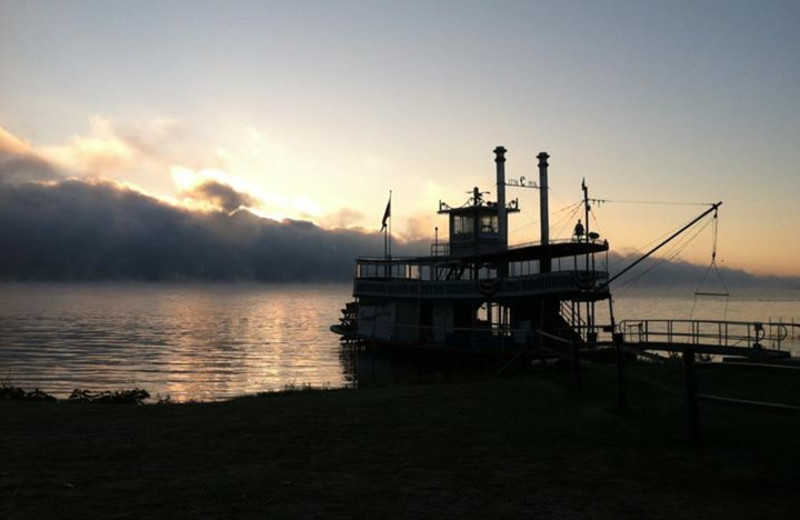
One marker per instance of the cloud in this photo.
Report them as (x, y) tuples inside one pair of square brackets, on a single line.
[(102, 153), (78, 230), (163, 157), (12, 145), (60, 228), (111, 148), (75, 229), (142, 152), (663, 276), (221, 196), (20, 163), (344, 218), (151, 139), (99, 229), (423, 227)]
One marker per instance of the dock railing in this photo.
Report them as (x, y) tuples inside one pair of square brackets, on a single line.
[(749, 334)]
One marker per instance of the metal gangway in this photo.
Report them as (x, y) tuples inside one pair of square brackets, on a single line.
[(714, 337)]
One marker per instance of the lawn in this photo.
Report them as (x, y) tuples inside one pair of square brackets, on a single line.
[(523, 446)]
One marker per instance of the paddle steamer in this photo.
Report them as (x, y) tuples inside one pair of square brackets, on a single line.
[(476, 293)]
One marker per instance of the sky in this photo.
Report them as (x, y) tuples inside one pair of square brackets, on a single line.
[(314, 111)]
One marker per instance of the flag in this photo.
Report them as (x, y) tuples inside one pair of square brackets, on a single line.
[(387, 213)]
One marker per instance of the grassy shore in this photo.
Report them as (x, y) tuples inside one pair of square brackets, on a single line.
[(524, 446)]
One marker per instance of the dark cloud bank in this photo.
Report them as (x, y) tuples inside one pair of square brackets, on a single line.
[(663, 277), (71, 229), (79, 230), (76, 230)]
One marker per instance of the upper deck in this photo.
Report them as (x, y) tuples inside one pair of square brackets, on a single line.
[(509, 273), (567, 254), (477, 262)]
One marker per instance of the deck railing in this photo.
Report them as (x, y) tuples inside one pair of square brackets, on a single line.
[(557, 282), (440, 249)]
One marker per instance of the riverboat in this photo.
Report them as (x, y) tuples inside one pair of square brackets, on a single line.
[(475, 293)]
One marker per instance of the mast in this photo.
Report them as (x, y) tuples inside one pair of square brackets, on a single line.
[(586, 220), (589, 268)]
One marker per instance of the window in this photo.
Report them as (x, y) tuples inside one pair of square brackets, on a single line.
[(489, 224), (462, 226)]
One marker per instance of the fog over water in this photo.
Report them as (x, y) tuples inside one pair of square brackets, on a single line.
[(215, 341), (57, 227)]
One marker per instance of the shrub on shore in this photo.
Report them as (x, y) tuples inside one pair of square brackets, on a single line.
[(14, 393), (133, 396)]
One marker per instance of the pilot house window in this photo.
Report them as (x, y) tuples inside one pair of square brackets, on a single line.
[(489, 224), (462, 226)]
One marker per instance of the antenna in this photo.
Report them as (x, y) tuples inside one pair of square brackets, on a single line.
[(477, 196)]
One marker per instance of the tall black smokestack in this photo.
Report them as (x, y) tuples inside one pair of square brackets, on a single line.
[(502, 217), (544, 218)]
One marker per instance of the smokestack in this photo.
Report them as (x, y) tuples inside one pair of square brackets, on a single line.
[(502, 217), (544, 218)]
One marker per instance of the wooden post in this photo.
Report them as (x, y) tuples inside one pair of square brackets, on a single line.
[(542, 357), (576, 367), (622, 383), (691, 395)]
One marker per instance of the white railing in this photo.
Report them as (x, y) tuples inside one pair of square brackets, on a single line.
[(557, 282)]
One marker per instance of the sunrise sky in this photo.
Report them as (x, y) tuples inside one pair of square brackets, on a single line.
[(315, 110)]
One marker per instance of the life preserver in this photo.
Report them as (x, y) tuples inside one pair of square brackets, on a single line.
[(488, 286), (585, 281)]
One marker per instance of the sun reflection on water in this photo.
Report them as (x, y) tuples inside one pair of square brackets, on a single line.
[(186, 341), (217, 341)]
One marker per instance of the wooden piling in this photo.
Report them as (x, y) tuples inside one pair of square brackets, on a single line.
[(576, 366), (691, 395), (622, 383)]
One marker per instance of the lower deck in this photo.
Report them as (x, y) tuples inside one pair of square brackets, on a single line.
[(472, 325)]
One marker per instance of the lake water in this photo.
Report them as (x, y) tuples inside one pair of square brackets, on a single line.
[(214, 341), (185, 341)]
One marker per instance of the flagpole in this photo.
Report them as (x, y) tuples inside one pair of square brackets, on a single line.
[(386, 228), (389, 228)]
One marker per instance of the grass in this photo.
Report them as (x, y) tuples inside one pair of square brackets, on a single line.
[(527, 446)]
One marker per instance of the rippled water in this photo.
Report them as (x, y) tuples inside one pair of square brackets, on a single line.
[(216, 341), (186, 341)]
